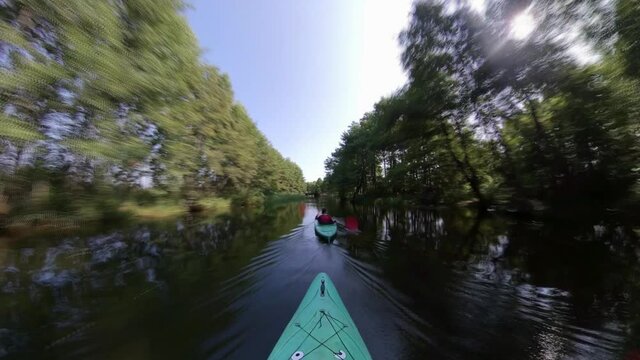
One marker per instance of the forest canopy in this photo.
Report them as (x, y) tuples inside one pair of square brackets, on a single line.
[(498, 113), (112, 96)]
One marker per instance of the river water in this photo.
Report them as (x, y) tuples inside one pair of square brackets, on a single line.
[(419, 284)]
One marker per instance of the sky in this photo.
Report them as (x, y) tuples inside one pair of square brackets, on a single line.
[(303, 69)]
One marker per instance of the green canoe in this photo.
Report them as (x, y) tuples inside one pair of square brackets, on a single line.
[(326, 232), (321, 328)]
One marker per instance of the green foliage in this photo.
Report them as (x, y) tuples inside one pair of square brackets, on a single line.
[(509, 121), (113, 93), (17, 130), (628, 26), (315, 187), (251, 199)]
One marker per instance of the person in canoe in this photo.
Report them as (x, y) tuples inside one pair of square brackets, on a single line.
[(324, 218)]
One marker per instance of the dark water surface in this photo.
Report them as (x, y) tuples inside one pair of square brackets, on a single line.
[(419, 285)]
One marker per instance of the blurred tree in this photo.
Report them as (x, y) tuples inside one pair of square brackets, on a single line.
[(114, 93), (509, 120)]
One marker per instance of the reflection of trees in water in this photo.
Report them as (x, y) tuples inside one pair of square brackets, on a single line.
[(426, 224), (61, 288), (572, 285), (491, 244)]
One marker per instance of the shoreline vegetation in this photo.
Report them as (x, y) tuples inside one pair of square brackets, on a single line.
[(114, 114), (110, 113), (535, 210), (42, 221), (523, 124)]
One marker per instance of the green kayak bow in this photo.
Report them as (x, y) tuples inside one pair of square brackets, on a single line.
[(326, 232), (321, 328)]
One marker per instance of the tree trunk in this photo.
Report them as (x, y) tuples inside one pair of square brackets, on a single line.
[(466, 169)]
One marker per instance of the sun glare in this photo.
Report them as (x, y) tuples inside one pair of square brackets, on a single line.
[(477, 5), (522, 25)]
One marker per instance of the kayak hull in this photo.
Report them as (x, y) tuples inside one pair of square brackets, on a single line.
[(321, 328), (326, 232)]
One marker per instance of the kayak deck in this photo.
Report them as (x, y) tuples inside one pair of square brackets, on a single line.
[(321, 328), (327, 231)]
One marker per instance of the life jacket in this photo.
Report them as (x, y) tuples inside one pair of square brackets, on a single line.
[(325, 219), (351, 223)]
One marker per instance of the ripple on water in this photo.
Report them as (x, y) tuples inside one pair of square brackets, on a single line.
[(417, 286)]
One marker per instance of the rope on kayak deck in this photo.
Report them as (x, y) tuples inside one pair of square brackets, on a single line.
[(323, 343), (329, 317), (308, 333), (314, 338)]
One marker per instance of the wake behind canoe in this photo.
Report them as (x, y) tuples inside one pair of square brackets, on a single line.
[(321, 328)]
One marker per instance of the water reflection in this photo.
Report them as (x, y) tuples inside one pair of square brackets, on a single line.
[(54, 290), (499, 288), (419, 284)]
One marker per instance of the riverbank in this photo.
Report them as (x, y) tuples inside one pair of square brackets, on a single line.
[(171, 209), (40, 218), (628, 209)]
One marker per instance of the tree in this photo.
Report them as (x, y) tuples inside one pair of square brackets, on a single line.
[(114, 93), (514, 120)]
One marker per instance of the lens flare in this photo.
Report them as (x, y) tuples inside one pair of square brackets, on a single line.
[(522, 26)]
